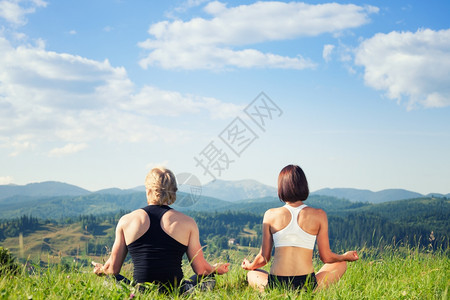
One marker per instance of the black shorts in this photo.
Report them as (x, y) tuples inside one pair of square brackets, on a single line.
[(307, 282)]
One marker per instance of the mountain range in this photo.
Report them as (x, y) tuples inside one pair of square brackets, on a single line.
[(56, 200), (231, 191), (41, 189), (237, 190), (357, 195)]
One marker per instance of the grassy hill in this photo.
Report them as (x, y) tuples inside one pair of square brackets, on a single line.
[(78, 226), (53, 241), (390, 270), (392, 273)]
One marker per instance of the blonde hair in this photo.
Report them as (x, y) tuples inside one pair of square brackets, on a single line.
[(161, 186)]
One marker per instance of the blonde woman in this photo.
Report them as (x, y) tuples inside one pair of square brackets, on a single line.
[(293, 230), (157, 237)]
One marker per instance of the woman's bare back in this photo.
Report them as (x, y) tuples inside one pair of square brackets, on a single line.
[(175, 224), (293, 261)]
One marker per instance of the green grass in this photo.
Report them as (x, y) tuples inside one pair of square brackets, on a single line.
[(393, 273)]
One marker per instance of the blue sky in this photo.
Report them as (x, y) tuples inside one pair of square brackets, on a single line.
[(95, 93)]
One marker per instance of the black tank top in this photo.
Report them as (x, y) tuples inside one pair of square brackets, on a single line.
[(156, 255)]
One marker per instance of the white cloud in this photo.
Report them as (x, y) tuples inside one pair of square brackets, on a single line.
[(62, 98), (412, 65), (327, 51), (189, 4), (217, 43), (6, 180), (218, 58), (14, 11), (67, 149), (154, 101), (18, 143), (215, 8)]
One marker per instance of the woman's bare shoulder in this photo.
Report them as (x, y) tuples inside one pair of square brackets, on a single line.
[(176, 215), (134, 215), (273, 212), (317, 212)]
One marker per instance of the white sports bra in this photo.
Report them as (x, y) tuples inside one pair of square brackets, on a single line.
[(293, 235)]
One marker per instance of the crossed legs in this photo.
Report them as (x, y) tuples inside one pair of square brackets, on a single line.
[(257, 279), (330, 273), (327, 275)]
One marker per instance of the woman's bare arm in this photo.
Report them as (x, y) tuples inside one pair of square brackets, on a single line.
[(118, 253), (323, 243), (264, 255), (195, 255)]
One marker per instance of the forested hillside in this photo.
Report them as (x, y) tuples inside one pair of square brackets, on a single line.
[(418, 222)]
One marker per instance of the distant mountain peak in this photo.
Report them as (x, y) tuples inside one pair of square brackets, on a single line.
[(41, 189), (359, 195), (237, 189)]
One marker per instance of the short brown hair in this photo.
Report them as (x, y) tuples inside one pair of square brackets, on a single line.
[(292, 184), (162, 186)]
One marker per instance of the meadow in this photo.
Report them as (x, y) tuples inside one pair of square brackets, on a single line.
[(387, 273), (54, 255)]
